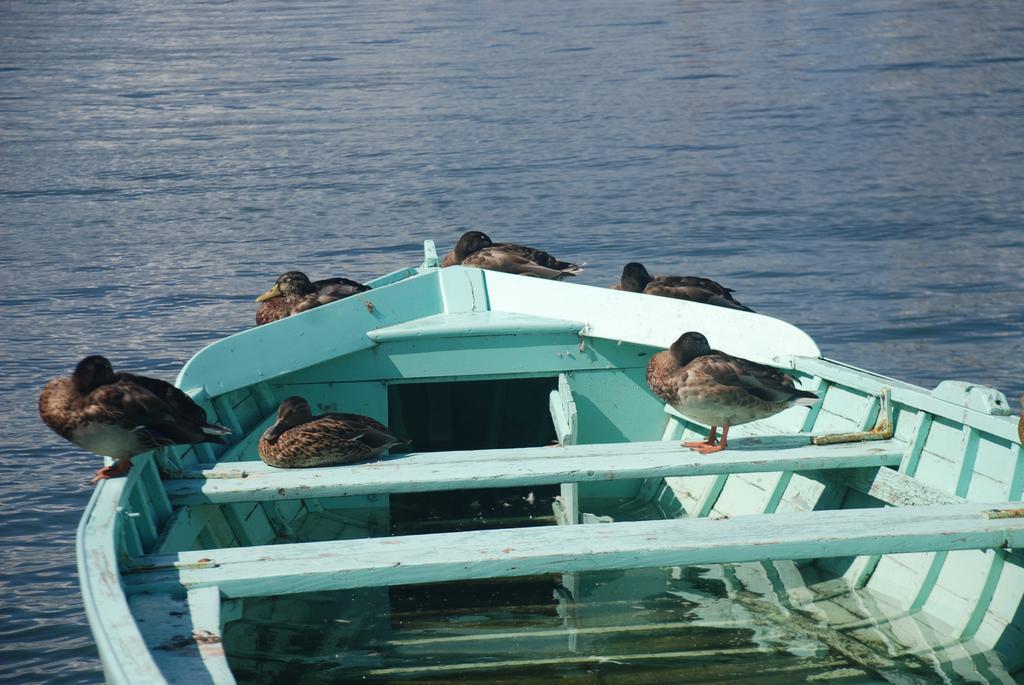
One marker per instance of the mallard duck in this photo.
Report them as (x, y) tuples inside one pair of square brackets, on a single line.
[(719, 389), (1020, 424), (298, 439), (119, 415), (293, 293), (636, 279), (477, 249)]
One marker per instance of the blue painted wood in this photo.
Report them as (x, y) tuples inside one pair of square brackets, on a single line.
[(376, 562), (491, 356), (435, 471), (327, 332), (430, 258), (565, 419), (645, 320), (183, 529), (463, 290), (125, 655), (184, 636), (908, 395), (893, 487), (473, 324)]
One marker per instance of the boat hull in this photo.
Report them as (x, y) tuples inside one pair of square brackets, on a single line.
[(186, 564)]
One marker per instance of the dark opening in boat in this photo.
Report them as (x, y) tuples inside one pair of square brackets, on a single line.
[(472, 415)]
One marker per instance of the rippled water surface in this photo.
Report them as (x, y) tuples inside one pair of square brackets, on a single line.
[(855, 168)]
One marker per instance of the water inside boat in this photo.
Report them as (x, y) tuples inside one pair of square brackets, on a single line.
[(714, 624)]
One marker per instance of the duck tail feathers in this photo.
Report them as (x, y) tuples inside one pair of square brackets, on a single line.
[(216, 429), (805, 399)]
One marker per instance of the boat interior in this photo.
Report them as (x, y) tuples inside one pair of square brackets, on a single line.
[(521, 427)]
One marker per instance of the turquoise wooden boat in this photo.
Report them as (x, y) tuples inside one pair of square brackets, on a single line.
[(545, 522)]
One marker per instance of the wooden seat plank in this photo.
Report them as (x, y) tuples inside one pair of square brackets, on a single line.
[(374, 562), (437, 471)]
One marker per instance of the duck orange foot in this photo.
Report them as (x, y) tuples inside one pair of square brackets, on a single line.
[(118, 468)]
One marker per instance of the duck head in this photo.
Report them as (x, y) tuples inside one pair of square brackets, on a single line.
[(91, 373), (470, 242), (291, 283), (294, 411), (635, 277), (689, 346)]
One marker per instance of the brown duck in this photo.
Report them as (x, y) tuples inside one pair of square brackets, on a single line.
[(294, 292), (636, 279), (298, 439), (1020, 424), (477, 249), (718, 389), (119, 415)]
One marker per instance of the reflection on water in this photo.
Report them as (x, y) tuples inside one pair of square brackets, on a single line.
[(852, 168), (716, 624)]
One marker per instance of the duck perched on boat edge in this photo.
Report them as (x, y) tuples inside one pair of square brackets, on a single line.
[(293, 292), (636, 279), (120, 415), (1020, 423), (718, 389), (476, 248), (298, 439)]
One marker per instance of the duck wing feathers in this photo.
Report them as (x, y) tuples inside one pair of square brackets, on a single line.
[(134, 407), (366, 430), (538, 257), (327, 290), (516, 259), (735, 373), (326, 440), (694, 281), (180, 404), (695, 293), (339, 287)]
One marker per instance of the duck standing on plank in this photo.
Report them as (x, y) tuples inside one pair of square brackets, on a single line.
[(718, 389), (477, 249), (636, 279), (299, 439), (119, 415), (294, 292)]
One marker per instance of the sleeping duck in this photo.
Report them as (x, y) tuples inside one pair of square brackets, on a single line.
[(119, 415), (293, 293), (1020, 424), (477, 249), (718, 389), (298, 439), (636, 279)]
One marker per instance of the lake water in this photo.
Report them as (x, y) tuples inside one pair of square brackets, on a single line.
[(855, 168)]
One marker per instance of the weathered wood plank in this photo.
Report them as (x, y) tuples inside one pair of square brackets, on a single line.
[(906, 394), (433, 471), (182, 529), (375, 562), (566, 422), (183, 635), (122, 650), (893, 487)]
